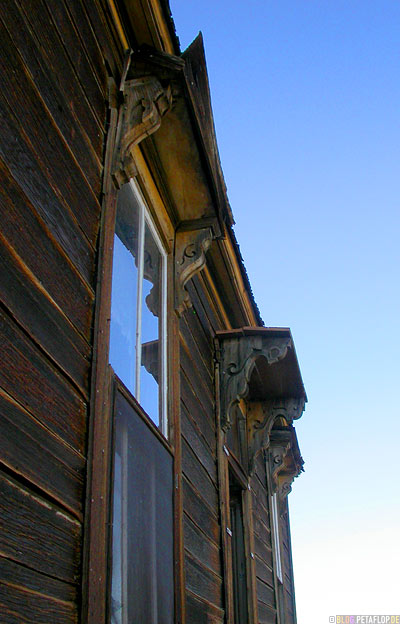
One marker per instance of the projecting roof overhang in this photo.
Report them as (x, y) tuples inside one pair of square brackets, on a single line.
[(259, 364)]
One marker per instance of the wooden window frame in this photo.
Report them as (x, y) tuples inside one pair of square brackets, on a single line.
[(145, 218), (95, 568)]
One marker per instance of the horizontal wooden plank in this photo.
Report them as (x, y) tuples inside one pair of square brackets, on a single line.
[(204, 365), (54, 156), (196, 411), (30, 305), (198, 444), (55, 59), (28, 596), (199, 611), (266, 615), (199, 512), (37, 534), (32, 451), (202, 582), (265, 594), (209, 310), (21, 160), (203, 392), (26, 232), (264, 572), (110, 45), (262, 550), (261, 529), (27, 65), (200, 546), (259, 490), (198, 476), (190, 322), (19, 605), (198, 310), (58, 14), (27, 376), (89, 42)]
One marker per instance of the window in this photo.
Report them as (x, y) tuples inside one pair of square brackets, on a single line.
[(142, 588), (138, 305), (239, 579), (142, 548)]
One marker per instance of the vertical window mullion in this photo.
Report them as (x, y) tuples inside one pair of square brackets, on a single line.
[(138, 357), (163, 340)]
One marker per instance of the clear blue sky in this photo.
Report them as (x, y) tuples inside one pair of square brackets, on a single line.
[(306, 100)]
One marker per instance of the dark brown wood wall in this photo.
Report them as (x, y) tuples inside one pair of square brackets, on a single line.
[(266, 601), (53, 113), (202, 535)]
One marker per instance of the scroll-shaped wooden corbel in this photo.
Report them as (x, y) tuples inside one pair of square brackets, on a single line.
[(192, 240), (259, 365), (261, 417), (146, 101), (284, 460), (238, 355)]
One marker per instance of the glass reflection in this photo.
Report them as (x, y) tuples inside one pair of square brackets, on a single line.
[(151, 315)]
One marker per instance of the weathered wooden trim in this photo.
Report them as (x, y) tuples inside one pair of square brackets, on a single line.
[(96, 538), (118, 24)]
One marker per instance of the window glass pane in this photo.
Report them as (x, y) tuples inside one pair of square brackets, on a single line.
[(150, 374), (142, 544), (124, 288)]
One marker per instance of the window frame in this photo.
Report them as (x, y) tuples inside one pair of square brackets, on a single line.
[(145, 218)]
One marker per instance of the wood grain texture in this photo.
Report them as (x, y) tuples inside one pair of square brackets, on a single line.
[(33, 598), (20, 157), (197, 443), (200, 513), (266, 615), (28, 302), (53, 154), (37, 534), (196, 411), (201, 547), (26, 232), (199, 611), (202, 581), (27, 376), (30, 67), (198, 476), (29, 449), (58, 64)]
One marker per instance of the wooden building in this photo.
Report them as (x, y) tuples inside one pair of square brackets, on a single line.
[(147, 444)]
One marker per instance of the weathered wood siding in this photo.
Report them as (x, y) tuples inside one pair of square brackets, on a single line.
[(287, 568), (202, 536), (266, 601), (53, 114)]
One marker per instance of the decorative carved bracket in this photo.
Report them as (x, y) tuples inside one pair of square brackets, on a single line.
[(192, 240), (285, 461), (261, 417), (238, 357), (145, 103)]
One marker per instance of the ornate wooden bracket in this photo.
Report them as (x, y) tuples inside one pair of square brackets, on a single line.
[(192, 240), (145, 103), (261, 417), (285, 461), (238, 356)]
